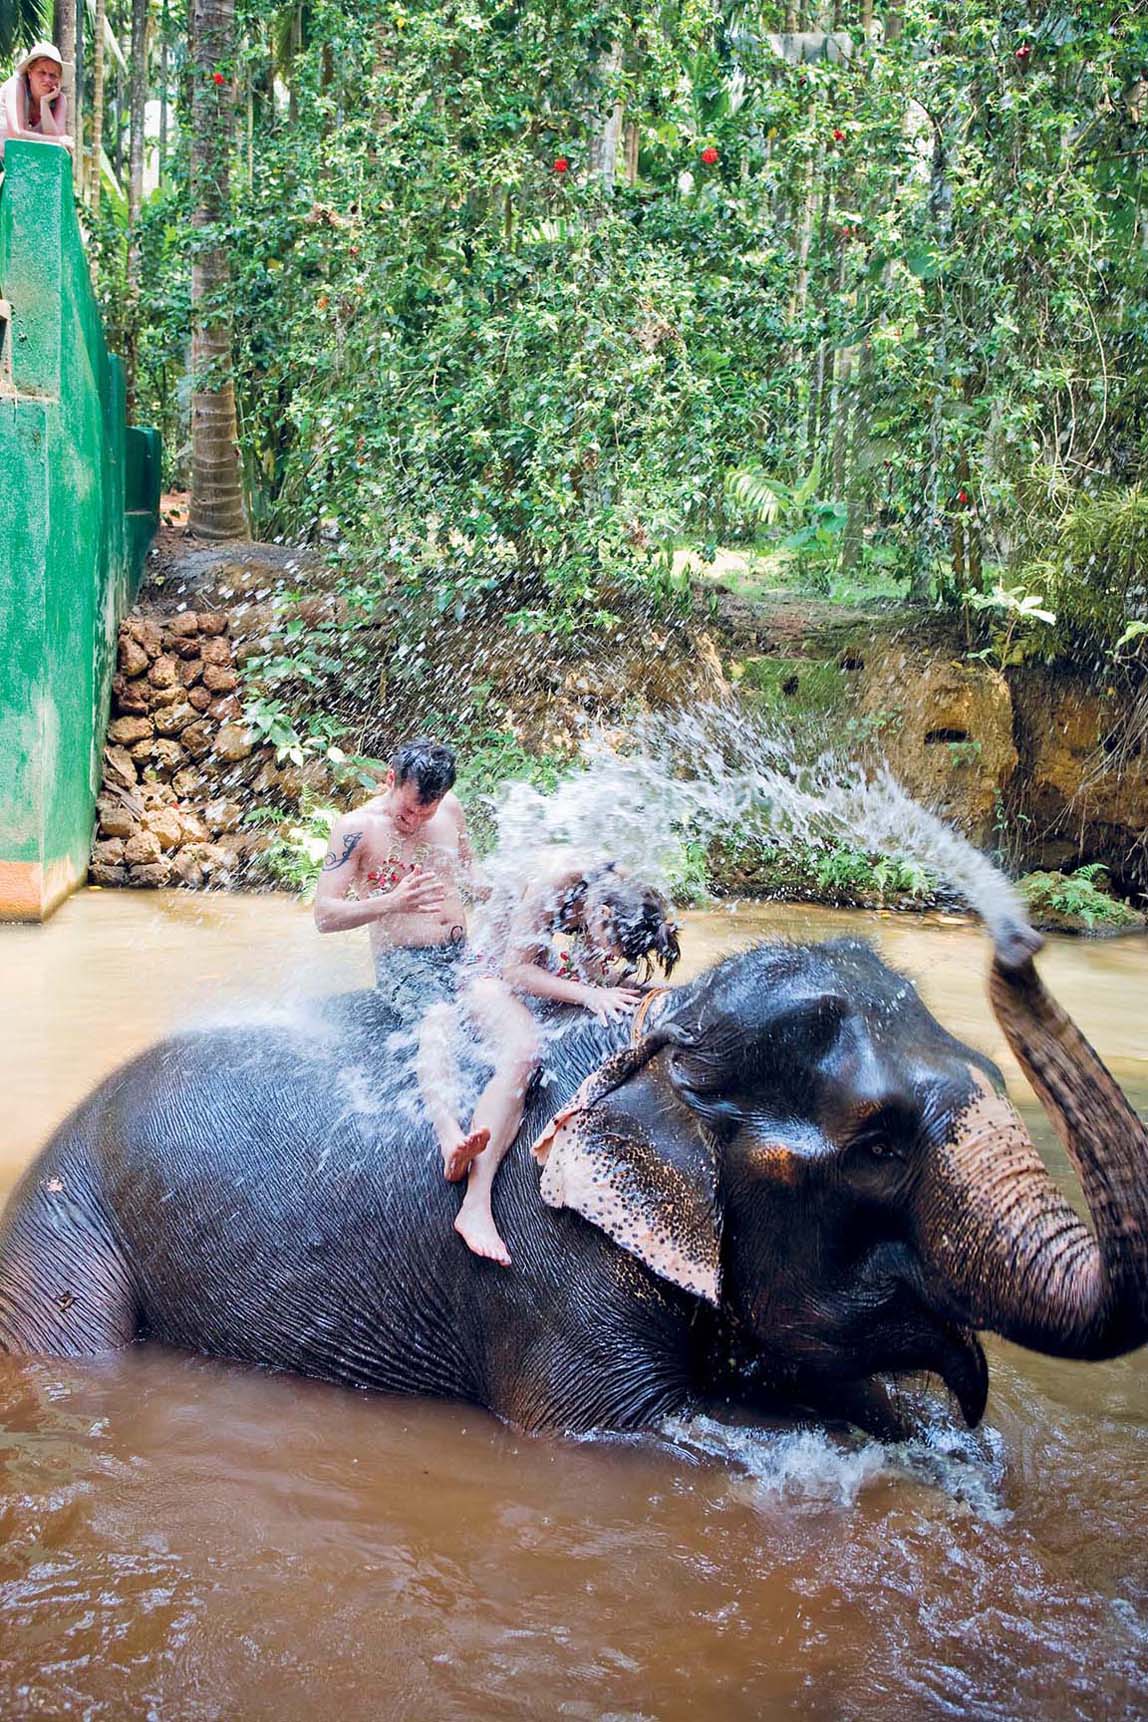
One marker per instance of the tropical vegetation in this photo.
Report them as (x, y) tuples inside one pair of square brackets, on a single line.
[(523, 295)]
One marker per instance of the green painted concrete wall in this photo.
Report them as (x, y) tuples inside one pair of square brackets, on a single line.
[(79, 500)]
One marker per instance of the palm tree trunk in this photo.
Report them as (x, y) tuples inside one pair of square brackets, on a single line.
[(67, 40), (840, 408), (632, 143), (137, 103), (117, 150), (141, 22), (805, 240), (216, 494), (94, 175), (857, 481), (294, 49), (164, 52)]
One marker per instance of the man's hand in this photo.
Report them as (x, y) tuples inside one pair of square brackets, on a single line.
[(609, 1002), (418, 894)]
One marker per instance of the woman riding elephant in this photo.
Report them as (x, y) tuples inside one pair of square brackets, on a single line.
[(793, 1182)]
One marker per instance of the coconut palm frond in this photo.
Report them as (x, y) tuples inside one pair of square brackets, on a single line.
[(22, 22)]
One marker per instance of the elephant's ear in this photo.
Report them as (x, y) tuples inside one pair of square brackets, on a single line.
[(629, 1156)]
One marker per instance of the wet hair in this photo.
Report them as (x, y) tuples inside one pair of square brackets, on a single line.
[(426, 764), (640, 919)]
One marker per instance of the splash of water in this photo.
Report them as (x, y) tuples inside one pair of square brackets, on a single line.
[(719, 772), (808, 1469)]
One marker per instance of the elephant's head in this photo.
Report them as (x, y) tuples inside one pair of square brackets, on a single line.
[(799, 1142)]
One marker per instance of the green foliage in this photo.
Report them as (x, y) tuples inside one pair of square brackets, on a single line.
[(965, 752), (1134, 631), (153, 323), (767, 499), (1098, 570), (846, 874), (295, 856), (835, 873), (918, 275), (22, 22), (815, 525), (311, 736), (688, 876), (1013, 612), (488, 758), (1079, 897)]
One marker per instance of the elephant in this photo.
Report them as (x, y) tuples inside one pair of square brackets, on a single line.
[(787, 1187)]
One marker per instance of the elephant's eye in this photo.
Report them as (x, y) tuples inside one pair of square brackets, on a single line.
[(879, 1147), (885, 1134)]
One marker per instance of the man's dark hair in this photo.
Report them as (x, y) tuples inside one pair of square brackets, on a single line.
[(426, 764)]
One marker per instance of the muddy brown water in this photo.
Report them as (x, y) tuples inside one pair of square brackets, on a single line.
[(183, 1539)]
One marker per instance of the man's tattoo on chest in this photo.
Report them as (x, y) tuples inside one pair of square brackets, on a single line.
[(350, 844)]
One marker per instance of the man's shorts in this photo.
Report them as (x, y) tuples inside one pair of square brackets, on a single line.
[(412, 978)]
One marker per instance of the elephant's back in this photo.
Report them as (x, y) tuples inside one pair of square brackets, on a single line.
[(280, 1197), (277, 1195), (265, 1188)]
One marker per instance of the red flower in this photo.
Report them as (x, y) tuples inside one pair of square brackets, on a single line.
[(838, 135), (709, 155), (962, 496), (1023, 52), (218, 78), (562, 165)]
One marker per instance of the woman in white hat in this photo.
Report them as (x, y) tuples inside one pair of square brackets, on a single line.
[(32, 102)]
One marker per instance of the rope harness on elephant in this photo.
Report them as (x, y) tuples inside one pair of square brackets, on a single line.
[(637, 1026)]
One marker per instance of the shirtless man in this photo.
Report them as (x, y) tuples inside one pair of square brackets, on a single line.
[(397, 865)]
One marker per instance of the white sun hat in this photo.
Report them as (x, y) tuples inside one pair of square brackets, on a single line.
[(39, 51)]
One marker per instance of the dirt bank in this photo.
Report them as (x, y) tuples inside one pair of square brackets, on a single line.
[(252, 684)]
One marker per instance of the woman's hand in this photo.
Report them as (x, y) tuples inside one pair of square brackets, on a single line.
[(610, 1002)]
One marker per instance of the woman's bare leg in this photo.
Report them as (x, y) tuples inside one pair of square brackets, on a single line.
[(510, 1033), (438, 1086)]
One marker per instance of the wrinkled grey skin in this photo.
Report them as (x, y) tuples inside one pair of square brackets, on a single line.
[(796, 1182)]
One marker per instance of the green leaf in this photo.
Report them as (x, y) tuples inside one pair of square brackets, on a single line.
[(923, 262)]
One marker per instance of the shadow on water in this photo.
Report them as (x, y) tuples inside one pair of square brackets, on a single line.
[(186, 1540)]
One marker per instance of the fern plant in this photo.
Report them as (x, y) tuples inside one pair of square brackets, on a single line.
[(1096, 573), (1078, 896), (766, 499)]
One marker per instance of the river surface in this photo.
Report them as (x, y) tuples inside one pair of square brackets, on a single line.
[(194, 1542)]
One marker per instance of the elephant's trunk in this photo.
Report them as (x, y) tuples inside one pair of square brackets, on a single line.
[(1008, 1248)]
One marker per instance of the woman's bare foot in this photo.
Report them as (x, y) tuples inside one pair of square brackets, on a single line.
[(475, 1225), (459, 1152)]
